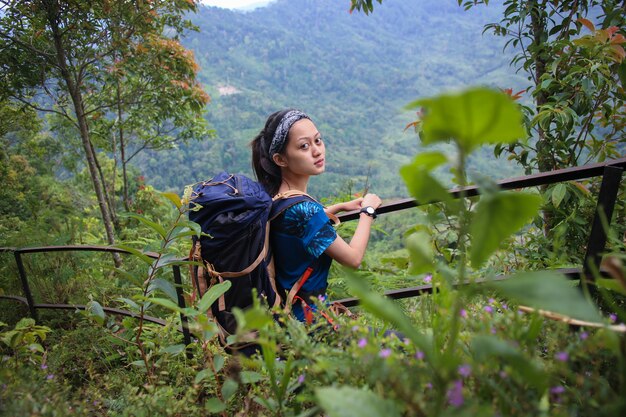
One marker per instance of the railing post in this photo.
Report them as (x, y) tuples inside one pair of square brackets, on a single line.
[(181, 303), (602, 219), (25, 287)]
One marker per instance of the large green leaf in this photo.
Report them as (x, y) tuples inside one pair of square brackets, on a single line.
[(547, 290), (212, 295), (419, 181), (386, 310), (421, 252), (152, 225), (487, 347), (471, 118), (354, 402), (496, 217)]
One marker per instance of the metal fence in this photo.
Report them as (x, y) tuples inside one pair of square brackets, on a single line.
[(610, 171)]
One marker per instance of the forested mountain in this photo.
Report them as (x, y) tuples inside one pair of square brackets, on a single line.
[(351, 72)]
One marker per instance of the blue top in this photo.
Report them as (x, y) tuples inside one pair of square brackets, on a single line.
[(299, 237)]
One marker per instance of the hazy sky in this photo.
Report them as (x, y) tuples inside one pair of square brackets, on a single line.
[(234, 4)]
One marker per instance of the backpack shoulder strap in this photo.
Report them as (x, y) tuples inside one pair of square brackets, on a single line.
[(290, 198)]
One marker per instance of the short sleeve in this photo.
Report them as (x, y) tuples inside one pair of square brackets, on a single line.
[(309, 222)]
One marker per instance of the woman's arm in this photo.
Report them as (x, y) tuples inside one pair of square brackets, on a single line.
[(345, 206), (351, 254)]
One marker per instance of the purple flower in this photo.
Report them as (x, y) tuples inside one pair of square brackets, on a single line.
[(465, 370), (613, 317), (584, 336), (505, 306), (493, 330), (561, 356), (355, 328), (463, 313), (362, 343), (488, 309), (427, 279), (384, 353), (419, 355), (429, 385), (50, 376), (455, 394), (557, 390), (492, 301), (301, 379), (44, 366)]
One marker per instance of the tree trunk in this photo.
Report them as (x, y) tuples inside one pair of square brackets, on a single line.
[(122, 149), (544, 150), (77, 100)]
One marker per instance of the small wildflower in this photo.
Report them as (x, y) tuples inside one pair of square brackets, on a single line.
[(488, 309), (362, 343), (384, 353), (455, 394), (584, 336), (492, 301), (429, 385), (557, 390), (44, 366), (503, 374), (301, 379), (419, 355), (355, 328), (50, 376), (463, 313), (613, 317), (428, 279), (465, 370), (504, 306), (321, 298), (493, 330), (406, 342), (561, 356)]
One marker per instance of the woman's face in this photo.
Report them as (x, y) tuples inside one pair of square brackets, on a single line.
[(304, 152)]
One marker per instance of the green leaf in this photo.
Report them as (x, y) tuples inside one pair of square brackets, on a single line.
[(229, 388), (202, 375), (496, 217), (611, 284), (419, 181), (166, 303), (558, 192), (420, 251), (174, 349), (212, 295), (471, 118), (354, 402), (166, 286), (218, 362), (152, 225), (486, 347), (214, 405), (250, 377), (139, 254), (130, 303), (95, 310), (174, 198), (547, 290), (386, 310)]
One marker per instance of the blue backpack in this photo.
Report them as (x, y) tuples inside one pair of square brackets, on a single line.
[(235, 212)]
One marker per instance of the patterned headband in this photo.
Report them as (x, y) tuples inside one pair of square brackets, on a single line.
[(280, 136)]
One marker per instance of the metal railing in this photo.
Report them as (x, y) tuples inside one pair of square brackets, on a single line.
[(611, 172)]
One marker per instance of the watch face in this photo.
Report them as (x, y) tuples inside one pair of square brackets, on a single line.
[(370, 210)]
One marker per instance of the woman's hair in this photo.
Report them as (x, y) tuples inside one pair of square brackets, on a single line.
[(266, 171)]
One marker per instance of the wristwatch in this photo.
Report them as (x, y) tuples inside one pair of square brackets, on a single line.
[(369, 210)]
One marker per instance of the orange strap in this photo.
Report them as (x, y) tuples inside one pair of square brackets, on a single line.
[(296, 287)]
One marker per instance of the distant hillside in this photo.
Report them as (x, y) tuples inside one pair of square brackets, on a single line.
[(352, 73)]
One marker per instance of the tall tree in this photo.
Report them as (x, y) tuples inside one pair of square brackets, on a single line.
[(58, 56)]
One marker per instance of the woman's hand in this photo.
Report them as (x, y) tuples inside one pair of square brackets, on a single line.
[(371, 200)]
